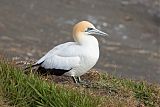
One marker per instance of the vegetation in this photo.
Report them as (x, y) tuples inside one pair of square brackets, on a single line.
[(32, 90)]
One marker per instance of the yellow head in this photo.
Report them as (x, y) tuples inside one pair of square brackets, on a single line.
[(85, 28)]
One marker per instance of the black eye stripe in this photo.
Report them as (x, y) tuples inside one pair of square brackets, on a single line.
[(89, 29)]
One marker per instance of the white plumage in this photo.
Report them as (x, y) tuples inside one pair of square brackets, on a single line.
[(75, 58), (60, 57)]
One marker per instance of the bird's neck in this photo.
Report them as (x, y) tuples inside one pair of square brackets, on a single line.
[(88, 41)]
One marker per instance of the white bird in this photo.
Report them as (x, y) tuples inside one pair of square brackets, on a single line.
[(73, 58)]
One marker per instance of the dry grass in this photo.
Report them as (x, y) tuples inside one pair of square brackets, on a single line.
[(103, 91)]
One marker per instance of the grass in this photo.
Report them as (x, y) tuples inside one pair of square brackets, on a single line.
[(142, 93), (32, 90)]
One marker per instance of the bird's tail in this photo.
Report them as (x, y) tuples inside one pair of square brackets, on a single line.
[(29, 67)]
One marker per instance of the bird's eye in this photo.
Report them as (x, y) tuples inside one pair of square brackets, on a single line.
[(89, 29)]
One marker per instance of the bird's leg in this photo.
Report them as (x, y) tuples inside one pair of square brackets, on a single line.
[(79, 80), (74, 79), (86, 83)]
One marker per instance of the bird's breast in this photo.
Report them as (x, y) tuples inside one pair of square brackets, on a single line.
[(90, 57)]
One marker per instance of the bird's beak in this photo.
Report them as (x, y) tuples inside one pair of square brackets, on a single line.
[(97, 32)]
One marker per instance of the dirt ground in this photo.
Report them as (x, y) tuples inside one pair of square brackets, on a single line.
[(29, 28)]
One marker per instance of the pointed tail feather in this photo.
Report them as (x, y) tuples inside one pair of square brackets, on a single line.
[(31, 66), (34, 65)]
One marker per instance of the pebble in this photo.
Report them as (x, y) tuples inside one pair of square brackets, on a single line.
[(29, 54), (124, 37), (105, 24), (125, 2), (128, 18)]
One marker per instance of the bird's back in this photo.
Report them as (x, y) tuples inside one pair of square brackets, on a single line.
[(58, 50)]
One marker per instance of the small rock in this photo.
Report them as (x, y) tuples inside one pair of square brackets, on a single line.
[(29, 54), (15, 58), (121, 26), (125, 2), (124, 37), (128, 18), (105, 24), (6, 38)]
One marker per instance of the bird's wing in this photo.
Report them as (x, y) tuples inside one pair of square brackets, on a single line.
[(56, 50), (61, 57), (59, 62)]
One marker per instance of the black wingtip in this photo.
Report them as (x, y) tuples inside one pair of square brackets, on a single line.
[(34, 65), (29, 67)]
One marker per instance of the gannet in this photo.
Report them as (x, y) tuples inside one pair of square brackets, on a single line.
[(73, 58)]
